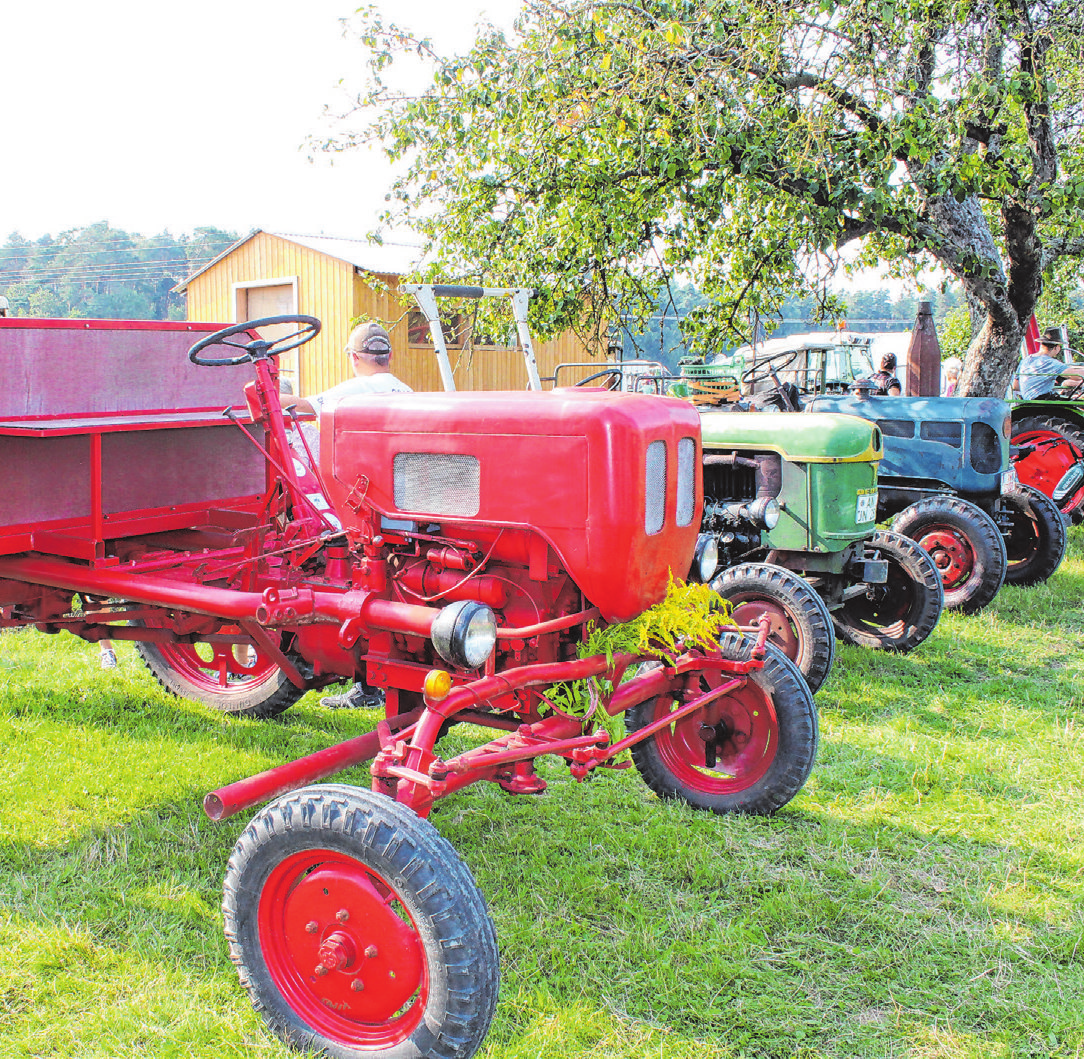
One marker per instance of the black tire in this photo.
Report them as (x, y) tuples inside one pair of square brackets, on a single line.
[(1058, 443), (764, 741), (227, 681), (901, 613), (1035, 544), (801, 622), (966, 545), (411, 907)]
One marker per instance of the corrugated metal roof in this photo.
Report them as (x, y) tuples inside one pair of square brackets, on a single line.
[(386, 259)]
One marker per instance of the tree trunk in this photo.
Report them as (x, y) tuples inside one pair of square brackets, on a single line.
[(992, 357)]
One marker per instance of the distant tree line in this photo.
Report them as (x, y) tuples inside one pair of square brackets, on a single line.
[(866, 311), (99, 272)]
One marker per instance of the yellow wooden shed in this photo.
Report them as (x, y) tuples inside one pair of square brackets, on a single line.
[(338, 281)]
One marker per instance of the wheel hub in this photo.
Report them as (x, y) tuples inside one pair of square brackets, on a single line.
[(952, 556), (340, 940)]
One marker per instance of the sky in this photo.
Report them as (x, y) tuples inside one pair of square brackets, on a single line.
[(157, 117)]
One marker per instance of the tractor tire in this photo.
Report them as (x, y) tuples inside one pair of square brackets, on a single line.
[(1058, 443), (965, 544), (1035, 545), (357, 930), (901, 613), (763, 739), (801, 623), (231, 678)]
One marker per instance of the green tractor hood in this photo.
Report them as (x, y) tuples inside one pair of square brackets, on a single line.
[(808, 437)]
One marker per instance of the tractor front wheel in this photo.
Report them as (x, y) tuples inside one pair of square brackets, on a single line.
[(801, 625), (1035, 543), (749, 751), (965, 544), (901, 613), (357, 930)]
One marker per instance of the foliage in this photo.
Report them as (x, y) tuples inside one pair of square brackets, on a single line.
[(100, 272), (921, 896), (690, 615), (751, 149), (954, 333), (1063, 301)]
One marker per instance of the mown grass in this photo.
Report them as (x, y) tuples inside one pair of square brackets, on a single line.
[(922, 897)]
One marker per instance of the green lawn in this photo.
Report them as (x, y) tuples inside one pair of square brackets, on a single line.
[(922, 897)]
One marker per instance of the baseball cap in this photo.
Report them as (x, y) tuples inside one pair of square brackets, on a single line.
[(371, 338)]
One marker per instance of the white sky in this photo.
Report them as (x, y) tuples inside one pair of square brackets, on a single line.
[(166, 117)]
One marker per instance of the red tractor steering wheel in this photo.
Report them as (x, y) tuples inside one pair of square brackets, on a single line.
[(258, 348)]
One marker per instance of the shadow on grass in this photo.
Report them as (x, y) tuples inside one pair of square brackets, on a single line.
[(624, 916)]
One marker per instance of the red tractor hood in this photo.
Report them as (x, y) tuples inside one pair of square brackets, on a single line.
[(609, 481)]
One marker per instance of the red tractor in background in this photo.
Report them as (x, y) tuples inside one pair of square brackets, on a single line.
[(452, 549), (1048, 440)]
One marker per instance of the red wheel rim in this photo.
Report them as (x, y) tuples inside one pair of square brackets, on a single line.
[(219, 667), (342, 949), (951, 552), (741, 728), (782, 634), (1044, 467)]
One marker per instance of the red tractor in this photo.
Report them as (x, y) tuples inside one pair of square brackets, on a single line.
[(452, 549)]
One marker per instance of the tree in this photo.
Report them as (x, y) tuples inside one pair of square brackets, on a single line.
[(749, 149)]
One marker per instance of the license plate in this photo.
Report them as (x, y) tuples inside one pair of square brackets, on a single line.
[(1009, 480), (865, 510)]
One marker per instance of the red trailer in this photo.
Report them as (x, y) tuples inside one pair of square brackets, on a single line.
[(451, 549)]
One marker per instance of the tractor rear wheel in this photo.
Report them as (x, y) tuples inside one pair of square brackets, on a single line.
[(749, 751), (1035, 544), (965, 544), (357, 930), (801, 625), (1057, 444), (234, 678), (901, 613)]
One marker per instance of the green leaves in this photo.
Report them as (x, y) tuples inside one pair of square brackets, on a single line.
[(740, 146)]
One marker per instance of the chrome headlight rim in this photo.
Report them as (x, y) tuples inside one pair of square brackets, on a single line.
[(705, 558), (464, 633)]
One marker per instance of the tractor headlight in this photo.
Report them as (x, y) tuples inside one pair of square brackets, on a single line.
[(465, 633), (762, 512), (705, 558), (1070, 482), (765, 512)]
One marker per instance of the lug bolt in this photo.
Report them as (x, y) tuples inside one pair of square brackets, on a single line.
[(357, 985), (371, 952), (312, 927), (342, 915), (321, 970)]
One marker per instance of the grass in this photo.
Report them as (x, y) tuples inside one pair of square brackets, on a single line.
[(922, 897)]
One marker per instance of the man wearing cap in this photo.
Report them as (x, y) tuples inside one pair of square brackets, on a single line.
[(369, 348), (1039, 372)]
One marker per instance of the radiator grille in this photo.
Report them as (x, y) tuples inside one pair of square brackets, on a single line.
[(436, 483), (655, 487), (729, 482), (686, 484)]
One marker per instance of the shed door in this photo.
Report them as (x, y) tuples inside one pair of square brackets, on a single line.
[(274, 299)]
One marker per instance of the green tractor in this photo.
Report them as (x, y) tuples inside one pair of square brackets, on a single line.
[(792, 504)]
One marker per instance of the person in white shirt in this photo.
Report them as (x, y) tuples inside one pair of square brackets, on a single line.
[(369, 347)]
